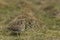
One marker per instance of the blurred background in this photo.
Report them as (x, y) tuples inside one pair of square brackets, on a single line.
[(46, 12)]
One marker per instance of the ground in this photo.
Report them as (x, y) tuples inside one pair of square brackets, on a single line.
[(47, 13)]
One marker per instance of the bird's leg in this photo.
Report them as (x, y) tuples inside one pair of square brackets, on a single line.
[(18, 36)]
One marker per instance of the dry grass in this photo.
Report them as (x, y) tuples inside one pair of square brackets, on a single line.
[(44, 13)]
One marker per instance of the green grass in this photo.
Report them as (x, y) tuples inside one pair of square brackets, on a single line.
[(50, 24)]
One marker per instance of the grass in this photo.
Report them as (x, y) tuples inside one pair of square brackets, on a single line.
[(50, 23)]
